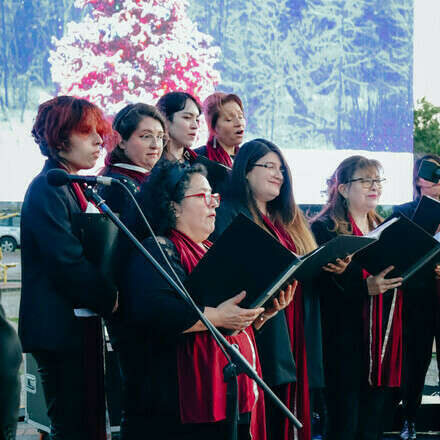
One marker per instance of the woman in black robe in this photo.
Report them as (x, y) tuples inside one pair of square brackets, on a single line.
[(172, 369), (359, 383), (57, 278), (142, 135), (290, 344)]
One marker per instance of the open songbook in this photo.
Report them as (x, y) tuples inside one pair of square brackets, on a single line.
[(247, 257), (427, 214), (402, 244)]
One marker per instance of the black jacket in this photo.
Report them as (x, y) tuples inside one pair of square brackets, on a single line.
[(424, 278), (273, 340), (56, 277), (154, 316), (342, 302), (419, 292), (115, 196)]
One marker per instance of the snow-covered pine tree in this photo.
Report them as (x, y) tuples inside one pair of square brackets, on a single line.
[(133, 50)]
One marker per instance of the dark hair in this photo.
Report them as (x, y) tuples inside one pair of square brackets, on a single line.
[(167, 183), (59, 117), (417, 162), (213, 104), (336, 207), (283, 208), (126, 122), (174, 102)]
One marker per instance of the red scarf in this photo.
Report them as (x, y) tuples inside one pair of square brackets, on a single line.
[(79, 193), (202, 391), (217, 153), (189, 154), (297, 394), (383, 335)]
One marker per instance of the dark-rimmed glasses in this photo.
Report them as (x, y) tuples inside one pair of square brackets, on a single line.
[(368, 182), (208, 198)]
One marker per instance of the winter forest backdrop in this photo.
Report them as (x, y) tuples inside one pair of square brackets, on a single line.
[(313, 74)]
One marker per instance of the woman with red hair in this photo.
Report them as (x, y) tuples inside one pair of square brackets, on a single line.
[(224, 115), (57, 278)]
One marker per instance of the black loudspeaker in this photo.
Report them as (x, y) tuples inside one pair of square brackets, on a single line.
[(35, 404)]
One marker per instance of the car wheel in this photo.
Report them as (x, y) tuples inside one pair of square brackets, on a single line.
[(8, 244)]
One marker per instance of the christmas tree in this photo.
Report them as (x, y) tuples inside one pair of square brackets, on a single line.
[(133, 50)]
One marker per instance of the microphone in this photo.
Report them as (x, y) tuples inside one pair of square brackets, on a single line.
[(59, 177)]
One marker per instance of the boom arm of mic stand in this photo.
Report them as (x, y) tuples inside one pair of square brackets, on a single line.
[(235, 355)]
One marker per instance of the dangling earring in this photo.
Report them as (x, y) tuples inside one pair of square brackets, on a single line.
[(345, 203), (214, 143)]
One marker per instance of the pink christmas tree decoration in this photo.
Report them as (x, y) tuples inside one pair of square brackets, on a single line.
[(133, 50)]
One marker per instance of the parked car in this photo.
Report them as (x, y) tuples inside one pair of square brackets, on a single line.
[(9, 232)]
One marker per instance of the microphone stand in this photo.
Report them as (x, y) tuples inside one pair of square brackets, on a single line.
[(237, 363)]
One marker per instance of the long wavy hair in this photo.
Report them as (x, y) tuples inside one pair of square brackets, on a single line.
[(336, 207), (283, 208)]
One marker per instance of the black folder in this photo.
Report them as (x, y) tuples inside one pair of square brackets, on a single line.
[(247, 257), (427, 214), (402, 244), (99, 237)]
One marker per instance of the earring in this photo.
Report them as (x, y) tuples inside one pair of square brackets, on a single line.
[(214, 143), (345, 203)]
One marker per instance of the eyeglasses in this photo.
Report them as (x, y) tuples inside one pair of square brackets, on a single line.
[(159, 140), (209, 198), (367, 182), (271, 166)]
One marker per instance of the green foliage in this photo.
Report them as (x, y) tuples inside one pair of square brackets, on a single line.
[(426, 127)]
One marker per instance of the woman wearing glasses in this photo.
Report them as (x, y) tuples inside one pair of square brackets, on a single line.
[(361, 365), (224, 116), (172, 368), (142, 136), (420, 305), (261, 186)]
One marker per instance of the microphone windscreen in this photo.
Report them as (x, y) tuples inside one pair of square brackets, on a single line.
[(57, 177)]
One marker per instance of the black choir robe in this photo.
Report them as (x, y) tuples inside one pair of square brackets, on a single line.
[(56, 276), (273, 341)]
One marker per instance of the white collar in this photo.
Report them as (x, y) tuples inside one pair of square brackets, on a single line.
[(131, 167)]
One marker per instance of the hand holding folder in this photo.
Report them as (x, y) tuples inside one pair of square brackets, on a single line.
[(400, 243), (246, 257)]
